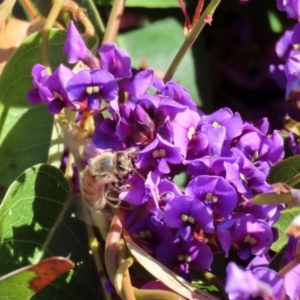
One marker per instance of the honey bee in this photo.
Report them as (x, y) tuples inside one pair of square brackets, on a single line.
[(103, 174)]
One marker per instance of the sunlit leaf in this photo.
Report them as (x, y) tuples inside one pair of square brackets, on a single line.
[(29, 211), (286, 218), (25, 129), (25, 282), (283, 172), (33, 222)]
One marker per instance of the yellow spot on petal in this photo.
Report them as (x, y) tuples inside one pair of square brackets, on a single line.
[(187, 258), (96, 89), (58, 95), (216, 124), (208, 196), (215, 199), (191, 133), (180, 257), (250, 239), (148, 234), (162, 153), (191, 219), (243, 177), (89, 90), (254, 156), (184, 217), (155, 154)]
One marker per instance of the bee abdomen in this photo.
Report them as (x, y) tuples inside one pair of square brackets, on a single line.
[(92, 190)]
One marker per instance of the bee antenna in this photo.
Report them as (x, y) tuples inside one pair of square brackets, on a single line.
[(136, 172)]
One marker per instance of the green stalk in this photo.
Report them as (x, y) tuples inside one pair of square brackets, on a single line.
[(191, 37), (54, 13), (114, 21)]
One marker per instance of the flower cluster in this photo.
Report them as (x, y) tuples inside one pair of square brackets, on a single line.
[(226, 159), (259, 281)]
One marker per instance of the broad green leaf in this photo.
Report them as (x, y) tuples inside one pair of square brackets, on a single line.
[(25, 129), (286, 217), (285, 170), (27, 281), (30, 209), (157, 44), (282, 172), (144, 3)]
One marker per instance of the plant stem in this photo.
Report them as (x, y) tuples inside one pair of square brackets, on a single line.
[(190, 38), (54, 12), (111, 246), (294, 180), (114, 21)]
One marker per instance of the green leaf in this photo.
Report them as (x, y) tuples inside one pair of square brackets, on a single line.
[(282, 172), (25, 129), (35, 221), (286, 217), (157, 44), (28, 213), (27, 281), (285, 170), (143, 3)]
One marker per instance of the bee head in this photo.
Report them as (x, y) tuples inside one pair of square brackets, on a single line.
[(123, 162)]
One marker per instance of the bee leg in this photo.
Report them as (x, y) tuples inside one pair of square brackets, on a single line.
[(111, 201)]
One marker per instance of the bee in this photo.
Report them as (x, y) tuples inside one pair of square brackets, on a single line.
[(105, 172)]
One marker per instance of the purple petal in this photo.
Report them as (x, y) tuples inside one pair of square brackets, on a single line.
[(115, 60)]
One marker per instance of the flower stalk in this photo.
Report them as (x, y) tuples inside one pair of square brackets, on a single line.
[(191, 38)]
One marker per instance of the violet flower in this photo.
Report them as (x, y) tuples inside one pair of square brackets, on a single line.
[(174, 91), (39, 75), (188, 215), (178, 255), (159, 153), (138, 84), (53, 90), (92, 85), (115, 60), (246, 285), (76, 49), (215, 192)]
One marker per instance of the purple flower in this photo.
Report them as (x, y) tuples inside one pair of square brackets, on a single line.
[(245, 176), (215, 192), (159, 153), (138, 84), (208, 165), (221, 128), (115, 60), (188, 215), (53, 90), (251, 236), (258, 147), (39, 75), (246, 285), (292, 7), (148, 232), (76, 49), (104, 136), (174, 91), (185, 124), (178, 255), (292, 65), (135, 194), (92, 85), (284, 45)]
